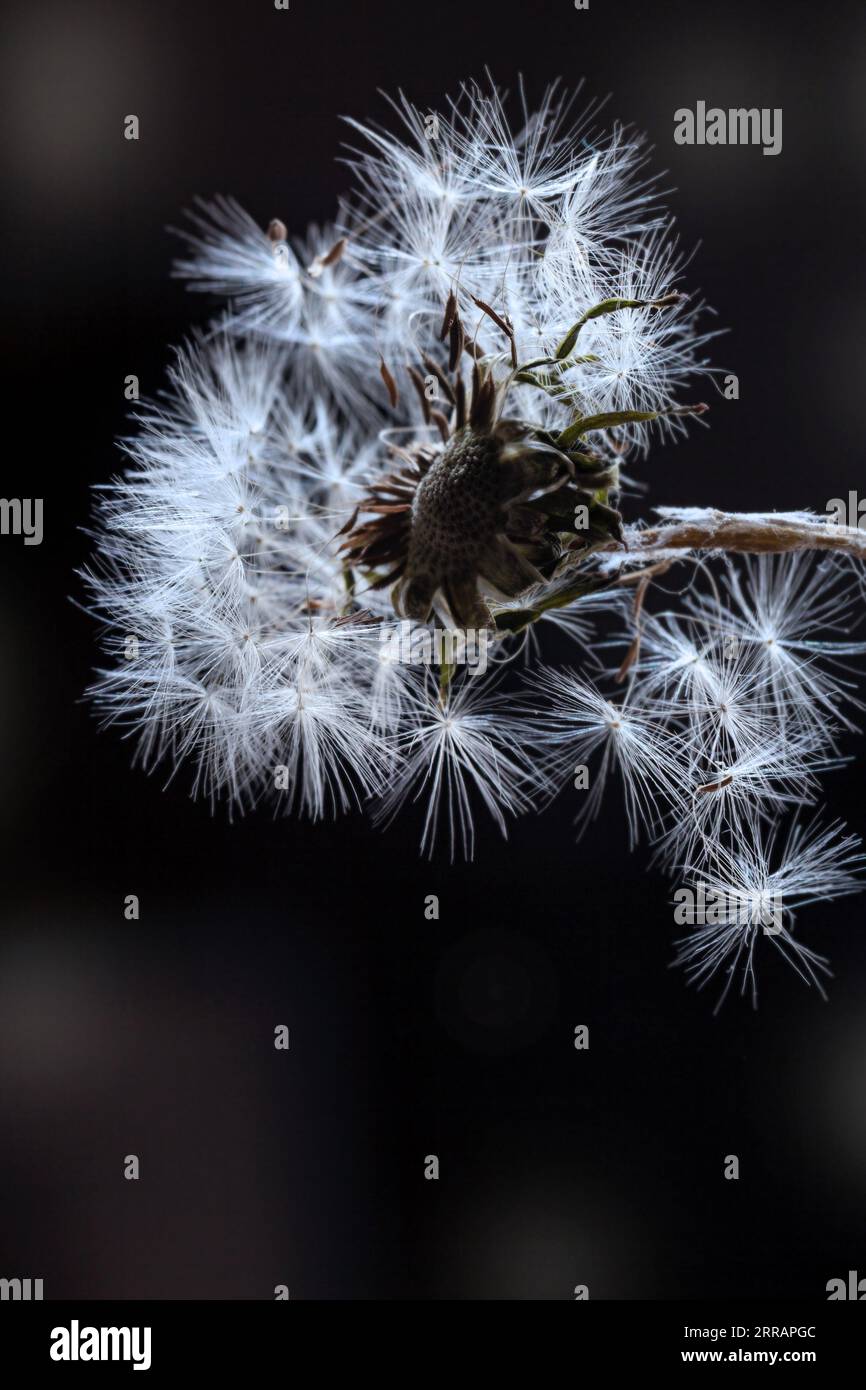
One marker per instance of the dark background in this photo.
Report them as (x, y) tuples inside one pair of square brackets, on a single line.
[(408, 1037)]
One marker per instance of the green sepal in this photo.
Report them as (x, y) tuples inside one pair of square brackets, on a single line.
[(609, 419), (609, 306), (516, 619)]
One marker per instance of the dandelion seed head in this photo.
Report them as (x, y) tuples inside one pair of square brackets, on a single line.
[(401, 416)]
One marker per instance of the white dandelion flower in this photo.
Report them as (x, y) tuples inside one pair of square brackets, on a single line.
[(796, 616), (729, 707), (527, 172), (728, 798), (421, 161), (231, 255), (610, 201), (420, 414), (454, 751), (753, 890), (322, 754), (675, 661), (578, 723)]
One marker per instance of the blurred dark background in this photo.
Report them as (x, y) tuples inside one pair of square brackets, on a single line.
[(408, 1037)]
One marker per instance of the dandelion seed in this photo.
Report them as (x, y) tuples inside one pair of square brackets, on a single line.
[(796, 617), (578, 722), (753, 900), (454, 750)]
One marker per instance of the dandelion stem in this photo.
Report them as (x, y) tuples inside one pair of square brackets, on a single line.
[(750, 533)]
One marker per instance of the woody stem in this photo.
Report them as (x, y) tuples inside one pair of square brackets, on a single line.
[(750, 533)]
